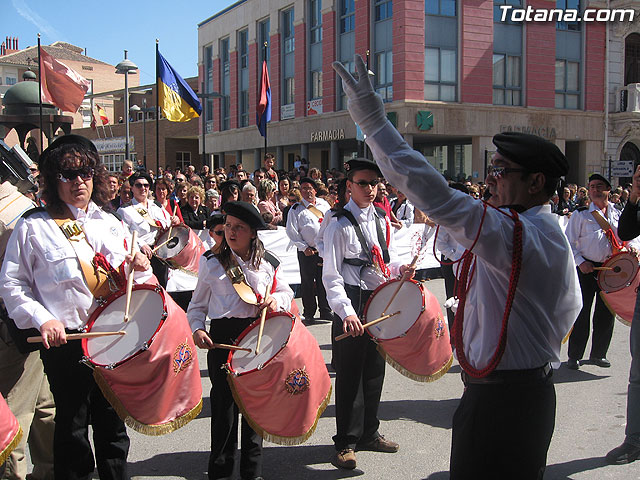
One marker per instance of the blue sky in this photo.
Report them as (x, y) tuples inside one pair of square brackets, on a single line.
[(108, 28)]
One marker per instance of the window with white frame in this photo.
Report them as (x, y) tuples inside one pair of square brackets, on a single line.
[(183, 160)]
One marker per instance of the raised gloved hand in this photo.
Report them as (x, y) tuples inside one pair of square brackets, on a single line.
[(364, 105)]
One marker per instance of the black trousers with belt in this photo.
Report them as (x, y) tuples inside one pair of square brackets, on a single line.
[(224, 411), (603, 320), (311, 286), (359, 379), (79, 402), (503, 430)]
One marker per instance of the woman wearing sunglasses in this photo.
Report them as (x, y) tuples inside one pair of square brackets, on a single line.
[(45, 288)]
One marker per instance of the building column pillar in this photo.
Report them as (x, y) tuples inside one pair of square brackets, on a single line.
[(256, 159), (238, 156), (280, 157), (451, 162), (334, 160), (304, 151), (482, 150)]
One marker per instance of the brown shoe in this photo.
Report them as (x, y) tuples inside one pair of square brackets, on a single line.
[(345, 458), (380, 444)]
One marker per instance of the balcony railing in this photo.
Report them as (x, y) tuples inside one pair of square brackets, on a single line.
[(628, 98)]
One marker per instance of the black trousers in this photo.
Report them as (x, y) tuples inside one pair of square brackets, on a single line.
[(224, 411), (160, 270), (359, 379), (603, 321), (182, 298), (311, 286), (79, 402), (503, 431)]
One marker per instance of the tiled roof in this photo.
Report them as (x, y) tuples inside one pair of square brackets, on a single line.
[(58, 50)]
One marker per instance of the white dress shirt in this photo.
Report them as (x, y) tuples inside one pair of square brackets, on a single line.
[(405, 213), (136, 222), (446, 245), (216, 298), (340, 242), (547, 299), (328, 217), (302, 225), (41, 278), (587, 239)]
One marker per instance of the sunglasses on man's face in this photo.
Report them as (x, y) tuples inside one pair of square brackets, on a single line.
[(141, 185), (85, 173), (364, 183), (218, 232)]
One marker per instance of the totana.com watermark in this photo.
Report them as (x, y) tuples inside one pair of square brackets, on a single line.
[(531, 14)]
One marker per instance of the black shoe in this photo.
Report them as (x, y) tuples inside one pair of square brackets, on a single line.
[(625, 453), (573, 364), (601, 362), (326, 315)]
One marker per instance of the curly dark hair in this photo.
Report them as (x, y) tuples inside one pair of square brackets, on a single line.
[(71, 156)]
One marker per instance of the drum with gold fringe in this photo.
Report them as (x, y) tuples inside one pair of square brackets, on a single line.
[(150, 375), (414, 341), (283, 390), (10, 431)]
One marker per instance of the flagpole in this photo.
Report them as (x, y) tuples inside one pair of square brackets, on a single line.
[(157, 109), (40, 93)]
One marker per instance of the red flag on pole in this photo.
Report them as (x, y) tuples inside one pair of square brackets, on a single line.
[(62, 86), (93, 122)]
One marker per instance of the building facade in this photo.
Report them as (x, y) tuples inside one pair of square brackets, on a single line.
[(622, 118), (451, 72)]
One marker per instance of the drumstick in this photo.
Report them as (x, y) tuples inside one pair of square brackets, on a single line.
[(404, 279), (263, 315), (231, 347), (79, 336), (163, 243), (175, 209), (370, 324), (616, 269), (134, 238)]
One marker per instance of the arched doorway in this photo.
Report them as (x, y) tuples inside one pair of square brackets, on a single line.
[(629, 152), (632, 59)]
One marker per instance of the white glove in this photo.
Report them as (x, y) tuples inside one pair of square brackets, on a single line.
[(364, 105)]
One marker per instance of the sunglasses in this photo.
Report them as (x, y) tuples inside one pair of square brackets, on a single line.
[(85, 173), (141, 185), (499, 172), (364, 183), (218, 232)]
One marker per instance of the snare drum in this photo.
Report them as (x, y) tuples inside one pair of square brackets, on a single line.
[(183, 250), (622, 302), (621, 270), (284, 389), (416, 341), (150, 375), (10, 431)]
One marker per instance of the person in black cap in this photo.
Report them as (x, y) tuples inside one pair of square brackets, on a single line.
[(303, 223), (593, 235), (521, 294), (359, 256), (216, 297)]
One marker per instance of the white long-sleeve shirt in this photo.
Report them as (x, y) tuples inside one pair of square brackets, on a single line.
[(136, 222), (547, 299), (340, 242), (302, 225), (41, 278), (215, 297), (587, 239)]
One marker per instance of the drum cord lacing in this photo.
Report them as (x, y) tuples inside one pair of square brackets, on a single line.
[(464, 286)]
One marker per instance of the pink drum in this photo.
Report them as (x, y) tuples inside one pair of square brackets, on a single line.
[(618, 272), (183, 250), (10, 431), (416, 341), (622, 302), (150, 375), (284, 389)]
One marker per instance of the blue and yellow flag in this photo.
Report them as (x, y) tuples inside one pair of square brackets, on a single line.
[(177, 100)]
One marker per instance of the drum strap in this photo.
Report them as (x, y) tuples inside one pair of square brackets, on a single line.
[(616, 245), (239, 283), (144, 213), (363, 242), (313, 209), (99, 276)]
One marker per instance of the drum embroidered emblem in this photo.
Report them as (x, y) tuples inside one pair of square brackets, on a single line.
[(439, 327), (297, 382), (182, 357)]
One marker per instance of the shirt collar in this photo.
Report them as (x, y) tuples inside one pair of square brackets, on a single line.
[(364, 213), (79, 214)]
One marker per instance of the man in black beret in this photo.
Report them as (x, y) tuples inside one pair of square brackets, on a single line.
[(303, 224), (593, 235), (521, 295)]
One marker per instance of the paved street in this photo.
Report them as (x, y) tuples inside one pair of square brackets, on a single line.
[(590, 421)]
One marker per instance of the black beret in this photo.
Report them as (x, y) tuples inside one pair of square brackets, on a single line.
[(309, 180), (216, 219), (72, 139), (597, 176), (356, 164), (245, 212), (534, 153)]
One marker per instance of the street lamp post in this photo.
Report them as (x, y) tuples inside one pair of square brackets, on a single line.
[(144, 110), (125, 67)]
